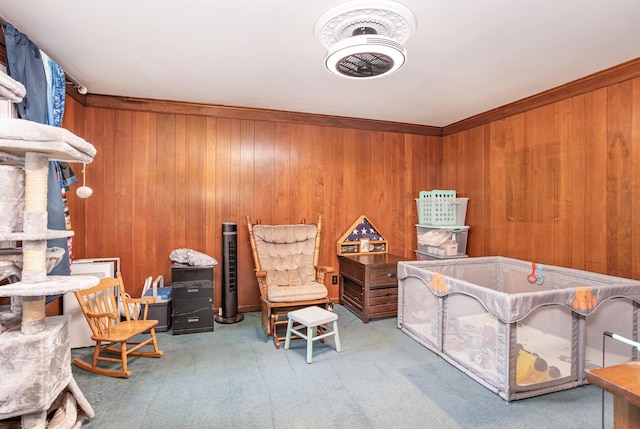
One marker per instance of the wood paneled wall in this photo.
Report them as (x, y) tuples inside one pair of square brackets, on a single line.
[(166, 180), (558, 184)]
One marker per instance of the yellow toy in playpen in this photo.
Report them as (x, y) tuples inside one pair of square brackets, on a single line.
[(532, 369)]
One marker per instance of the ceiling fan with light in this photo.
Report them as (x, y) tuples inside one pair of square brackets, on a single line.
[(364, 38)]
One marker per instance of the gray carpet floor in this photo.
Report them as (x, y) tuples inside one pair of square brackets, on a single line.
[(234, 377)]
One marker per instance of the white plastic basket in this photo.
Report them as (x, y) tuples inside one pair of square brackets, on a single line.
[(441, 208)]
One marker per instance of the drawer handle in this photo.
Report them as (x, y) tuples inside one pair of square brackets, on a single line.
[(391, 275), (390, 294), (193, 319), (193, 290)]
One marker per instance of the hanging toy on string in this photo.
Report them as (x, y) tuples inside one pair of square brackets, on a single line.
[(84, 191), (536, 274)]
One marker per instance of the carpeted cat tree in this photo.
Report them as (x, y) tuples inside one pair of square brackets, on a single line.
[(35, 353)]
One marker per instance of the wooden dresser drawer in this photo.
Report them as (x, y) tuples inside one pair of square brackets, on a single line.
[(383, 275), (383, 301)]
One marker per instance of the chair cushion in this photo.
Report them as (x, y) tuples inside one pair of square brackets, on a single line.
[(306, 292), (286, 253)]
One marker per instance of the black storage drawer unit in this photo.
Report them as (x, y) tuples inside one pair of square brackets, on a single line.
[(188, 273), (192, 299), (193, 315), (192, 290)]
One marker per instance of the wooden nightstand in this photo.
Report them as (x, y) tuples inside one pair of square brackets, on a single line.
[(369, 285)]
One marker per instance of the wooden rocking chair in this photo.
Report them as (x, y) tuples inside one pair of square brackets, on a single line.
[(100, 308), (286, 261)]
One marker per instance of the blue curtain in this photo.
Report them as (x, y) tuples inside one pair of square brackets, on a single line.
[(45, 83), (25, 65), (56, 89)]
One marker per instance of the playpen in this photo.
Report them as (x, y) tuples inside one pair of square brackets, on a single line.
[(520, 329)]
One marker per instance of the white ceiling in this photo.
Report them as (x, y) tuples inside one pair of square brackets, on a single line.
[(464, 58)]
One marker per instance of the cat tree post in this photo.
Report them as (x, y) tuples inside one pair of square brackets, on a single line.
[(34, 251)]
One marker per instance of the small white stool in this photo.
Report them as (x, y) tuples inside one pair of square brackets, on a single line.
[(313, 318)]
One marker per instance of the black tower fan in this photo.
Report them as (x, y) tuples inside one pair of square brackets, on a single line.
[(229, 275)]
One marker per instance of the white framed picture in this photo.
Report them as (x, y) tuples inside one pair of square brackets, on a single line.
[(364, 245)]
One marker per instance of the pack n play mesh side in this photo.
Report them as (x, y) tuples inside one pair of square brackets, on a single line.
[(517, 337)]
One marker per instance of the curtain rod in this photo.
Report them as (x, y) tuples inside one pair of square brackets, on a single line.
[(70, 80)]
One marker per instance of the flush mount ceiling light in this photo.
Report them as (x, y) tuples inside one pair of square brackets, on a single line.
[(364, 38)]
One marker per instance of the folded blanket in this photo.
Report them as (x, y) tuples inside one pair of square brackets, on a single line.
[(192, 257), (18, 136), (11, 89)]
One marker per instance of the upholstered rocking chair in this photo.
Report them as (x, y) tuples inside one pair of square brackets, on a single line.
[(121, 338), (289, 277)]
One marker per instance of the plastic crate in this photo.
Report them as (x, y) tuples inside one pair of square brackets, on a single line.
[(438, 193), (442, 241), (441, 208), (163, 293), (161, 311), (424, 256)]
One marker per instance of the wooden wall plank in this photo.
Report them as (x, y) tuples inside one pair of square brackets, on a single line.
[(341, 218), (412, 180), (242, 203), (180, 177), (195, 187), (350, 194), (330, 232), (496, 159), (619, 197), (392, 187), (635, 179), (577, 150), (282, 173), (483, 234), (103, 213), (422, 156), (471, 185), (595, 182), (563, 185), (117, 191), (317, 162), (196, 228), (306, 166), (542, 158), (296, 174), (166, 210), (115, 126), (143, 202), (213, 226), (224, 177), (264, 175), (517, 188), (375, 179), (225, 189)]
